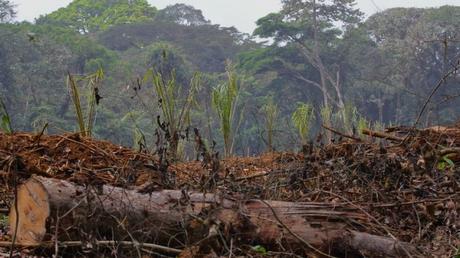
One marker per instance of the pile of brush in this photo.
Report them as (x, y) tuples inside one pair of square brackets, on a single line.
[(390, 194)]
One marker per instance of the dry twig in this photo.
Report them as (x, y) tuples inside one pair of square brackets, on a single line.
[(99, 243)]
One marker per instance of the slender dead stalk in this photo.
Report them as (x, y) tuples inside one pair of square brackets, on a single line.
[(435, 89), (342, 134), (449, 151), (382, 135), (99, 243)]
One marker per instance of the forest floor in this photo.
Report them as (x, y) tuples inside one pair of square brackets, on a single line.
[(408, 186)]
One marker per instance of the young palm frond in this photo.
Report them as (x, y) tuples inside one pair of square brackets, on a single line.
[(362, 124), (175, 111), (85, 123), (139, 139), (271, 112), (74, 93), (5, 124), (302, 119), (224, 99), (349, 116), (94, 81)]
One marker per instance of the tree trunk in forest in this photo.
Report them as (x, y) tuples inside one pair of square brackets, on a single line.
[(57, 210), (338, 91)]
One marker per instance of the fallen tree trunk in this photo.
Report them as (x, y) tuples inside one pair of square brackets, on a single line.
[(52, 209)]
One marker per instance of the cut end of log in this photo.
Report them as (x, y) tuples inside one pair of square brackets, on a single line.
[(33, 209)]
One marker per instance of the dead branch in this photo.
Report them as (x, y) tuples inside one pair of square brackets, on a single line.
[(51, 244), (447, 151), (382, 135), (342, 134)]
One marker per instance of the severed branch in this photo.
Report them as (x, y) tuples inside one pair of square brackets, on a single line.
[(239, 179), (382, 135), (51, 244), (447, 151), (342, 134)]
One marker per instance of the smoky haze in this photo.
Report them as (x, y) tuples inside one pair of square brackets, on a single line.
[(239, 13)]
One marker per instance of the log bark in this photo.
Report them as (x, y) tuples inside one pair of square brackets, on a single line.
[(52, 209)]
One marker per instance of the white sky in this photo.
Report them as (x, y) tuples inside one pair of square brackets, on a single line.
[(239, 13)]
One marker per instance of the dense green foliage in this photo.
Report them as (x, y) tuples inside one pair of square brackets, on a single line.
[(182, 14), (7, 12), (364, 73), (85, 16)]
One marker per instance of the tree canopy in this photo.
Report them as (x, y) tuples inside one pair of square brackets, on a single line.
[(309, 26), (85, 16), (182, 14), (7, 11)]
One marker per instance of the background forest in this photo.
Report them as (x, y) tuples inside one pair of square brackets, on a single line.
[(308, 65)]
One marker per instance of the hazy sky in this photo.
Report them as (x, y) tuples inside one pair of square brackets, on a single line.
[(239, 13)]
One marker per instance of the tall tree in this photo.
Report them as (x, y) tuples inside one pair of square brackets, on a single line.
[(207, 46), (85, 16), (310, 26), (410, 49), (7, 11), (182, 14), (31, 77)]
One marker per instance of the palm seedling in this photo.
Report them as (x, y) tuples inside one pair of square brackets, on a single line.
[(362, 124), (175, 111), (271, 112), (92, 83), (349, 116), (139, 139), (5, 123), (302, 119), (224, 99)]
